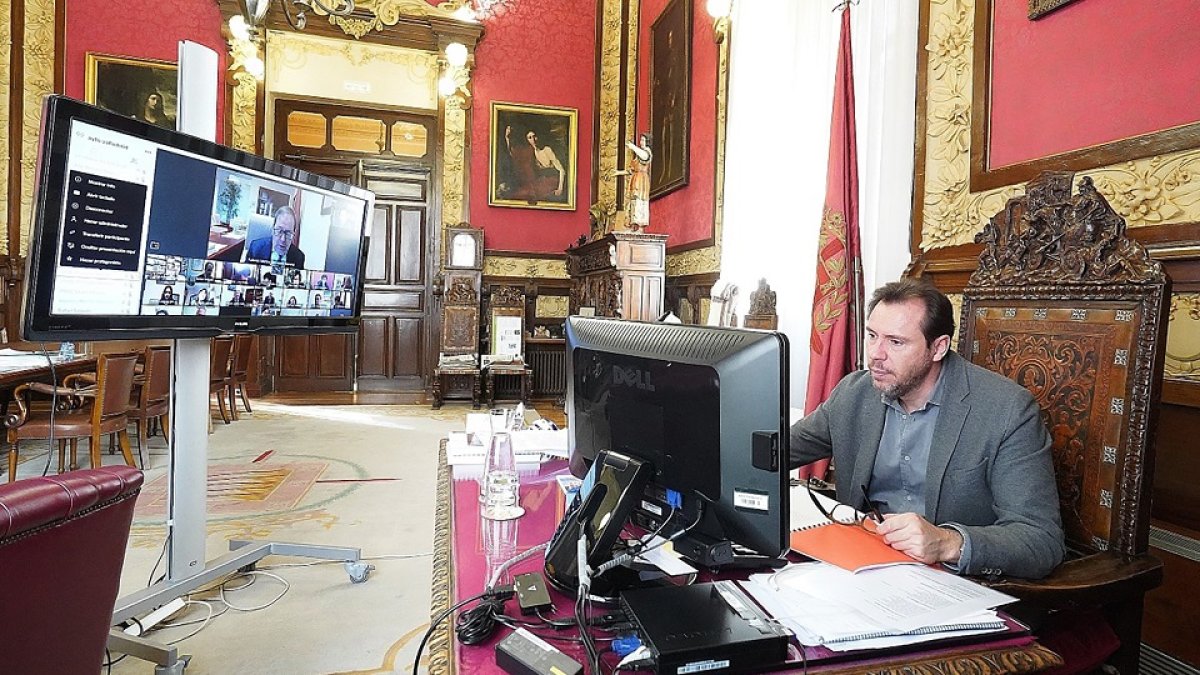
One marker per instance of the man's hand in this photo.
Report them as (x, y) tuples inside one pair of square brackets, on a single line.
[(920, 539)]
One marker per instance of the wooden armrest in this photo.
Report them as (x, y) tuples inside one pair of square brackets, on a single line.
[(1092, 580), (14, 420)]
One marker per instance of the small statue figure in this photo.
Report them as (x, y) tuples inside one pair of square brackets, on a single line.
[(762, 300), (637, 194)]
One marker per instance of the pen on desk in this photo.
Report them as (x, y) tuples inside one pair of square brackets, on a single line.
[(871, 505)]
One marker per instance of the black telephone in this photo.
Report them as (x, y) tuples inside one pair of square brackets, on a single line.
[(610, 492)]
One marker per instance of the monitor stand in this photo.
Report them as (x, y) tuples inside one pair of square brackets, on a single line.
[(186, 518)]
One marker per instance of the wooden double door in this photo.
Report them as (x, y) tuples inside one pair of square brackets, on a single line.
[(391, 351)]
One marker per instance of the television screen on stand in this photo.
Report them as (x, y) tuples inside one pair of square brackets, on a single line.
[(143, 232)]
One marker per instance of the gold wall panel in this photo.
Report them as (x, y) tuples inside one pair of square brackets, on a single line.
[(454, 162), (5, 83), (537, 268), (383, 13), (1152, 191), (609, 114), (1183, 337), (552, 307), (244, 111), (39, 81)]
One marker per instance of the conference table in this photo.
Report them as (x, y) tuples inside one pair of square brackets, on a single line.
[(468, 548)]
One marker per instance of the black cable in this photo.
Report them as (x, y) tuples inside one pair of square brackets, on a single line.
[(477, 624), (441, 617), (163, 552)]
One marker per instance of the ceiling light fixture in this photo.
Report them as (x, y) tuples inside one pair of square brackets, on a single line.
[(296, 11)]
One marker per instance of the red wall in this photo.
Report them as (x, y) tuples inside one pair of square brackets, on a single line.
[(1092, 72), (543, 52), (686, 215), (130, 30)]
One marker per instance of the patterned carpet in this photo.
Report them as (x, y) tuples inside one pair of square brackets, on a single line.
[(361, 476)]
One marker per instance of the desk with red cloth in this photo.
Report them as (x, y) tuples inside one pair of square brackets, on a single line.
[(468, 549)]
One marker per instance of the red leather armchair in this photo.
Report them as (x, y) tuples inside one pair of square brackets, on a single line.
[(62, 545)]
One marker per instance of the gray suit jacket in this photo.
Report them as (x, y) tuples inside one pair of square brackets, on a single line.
[(990, 468)]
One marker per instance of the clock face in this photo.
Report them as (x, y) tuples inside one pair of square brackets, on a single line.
[(464, 250)]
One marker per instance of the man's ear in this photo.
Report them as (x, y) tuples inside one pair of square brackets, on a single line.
[(940, 347)]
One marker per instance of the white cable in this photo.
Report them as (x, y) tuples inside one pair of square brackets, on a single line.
[(513, 561), (203, 624), (274, 600)]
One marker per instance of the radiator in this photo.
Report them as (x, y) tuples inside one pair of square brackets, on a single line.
[(549, 371)]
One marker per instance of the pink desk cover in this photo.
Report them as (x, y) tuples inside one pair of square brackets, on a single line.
[(462, 563)]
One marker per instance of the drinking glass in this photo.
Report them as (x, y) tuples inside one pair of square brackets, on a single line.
[(502, 484), (498, 421)]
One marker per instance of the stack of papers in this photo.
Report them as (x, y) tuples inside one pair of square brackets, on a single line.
[(886, 607)]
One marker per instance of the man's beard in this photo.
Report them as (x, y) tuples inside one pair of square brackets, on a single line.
[(903, 387)]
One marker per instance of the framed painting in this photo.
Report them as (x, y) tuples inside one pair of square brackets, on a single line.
[(533, 156), (143, 89), (670, 97)]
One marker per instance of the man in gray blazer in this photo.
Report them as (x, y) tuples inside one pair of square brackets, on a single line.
[(954, 455)]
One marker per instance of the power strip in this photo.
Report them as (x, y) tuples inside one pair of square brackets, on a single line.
[(155, 617)]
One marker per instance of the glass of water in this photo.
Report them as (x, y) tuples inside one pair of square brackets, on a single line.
[(502, 486)]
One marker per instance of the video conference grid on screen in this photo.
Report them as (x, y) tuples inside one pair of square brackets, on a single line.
[(151, 230)]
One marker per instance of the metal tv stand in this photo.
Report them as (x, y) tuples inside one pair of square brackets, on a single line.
[(186, 518)]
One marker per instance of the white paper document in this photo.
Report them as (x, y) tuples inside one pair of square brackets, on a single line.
[(529, 441), (823, 604)]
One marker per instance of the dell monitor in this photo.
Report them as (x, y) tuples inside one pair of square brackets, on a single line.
[(143, 232), (706, 410)]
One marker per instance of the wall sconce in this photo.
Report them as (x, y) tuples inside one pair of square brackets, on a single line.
[(243, 47), (719, 10), (456, 74)]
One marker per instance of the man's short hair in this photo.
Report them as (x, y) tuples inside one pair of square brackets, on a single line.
[(939, 313), (288, 211)]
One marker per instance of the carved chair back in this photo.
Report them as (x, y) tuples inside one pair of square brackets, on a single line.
[(1066, 304), (460, 316), (506, 321)]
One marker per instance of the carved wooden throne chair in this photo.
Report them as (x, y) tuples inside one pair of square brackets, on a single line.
[(457, 374), (1066, 304), (506, 338)]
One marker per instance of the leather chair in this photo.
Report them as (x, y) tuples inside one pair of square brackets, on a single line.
[(1066, 304), (62, 546), (239, 366), (103, 411), (218, 372), (152, 396)]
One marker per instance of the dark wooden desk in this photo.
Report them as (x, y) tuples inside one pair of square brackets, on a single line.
[(460, 565), (13, 377)]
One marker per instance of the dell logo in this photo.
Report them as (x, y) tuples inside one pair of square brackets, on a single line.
[(632, 377)]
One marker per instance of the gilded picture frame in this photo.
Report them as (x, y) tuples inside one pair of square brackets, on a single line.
[(126, 85), (671, 97), (533, 158)]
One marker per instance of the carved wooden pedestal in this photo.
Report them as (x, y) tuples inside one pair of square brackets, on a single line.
[(621, 275)]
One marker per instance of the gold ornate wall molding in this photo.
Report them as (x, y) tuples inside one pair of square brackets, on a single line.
[(552, 306), (244, 112), (39, 48), (292, 50), (1183, 337), (611, 72), (378, 15), (5, 84), (454, 161), (537, 268), (1153, 191)]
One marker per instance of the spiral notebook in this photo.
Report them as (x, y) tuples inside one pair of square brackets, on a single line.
[(851, 547)]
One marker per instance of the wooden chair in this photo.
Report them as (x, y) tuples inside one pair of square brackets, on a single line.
[(152, 396), (1066, 304), (105, 414), (457, 374), (239, 365), (218, 372), (506, 337)]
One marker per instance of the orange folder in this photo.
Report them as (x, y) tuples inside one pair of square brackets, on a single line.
[(848, 546)]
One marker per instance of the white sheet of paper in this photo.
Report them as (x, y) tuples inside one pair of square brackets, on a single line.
[(666, 559), (552, 443), (906, 597)]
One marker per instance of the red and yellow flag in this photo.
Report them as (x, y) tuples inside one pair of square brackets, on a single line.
[(837, 301)]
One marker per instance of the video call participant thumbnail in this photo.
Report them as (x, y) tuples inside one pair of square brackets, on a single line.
[(279, 247)]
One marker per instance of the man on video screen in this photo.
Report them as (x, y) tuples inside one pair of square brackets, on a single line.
[(281, 245)]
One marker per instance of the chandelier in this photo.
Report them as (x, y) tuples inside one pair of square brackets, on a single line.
[(296, 11)]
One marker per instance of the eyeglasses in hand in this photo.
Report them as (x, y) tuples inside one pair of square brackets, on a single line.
[(844, 514)]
